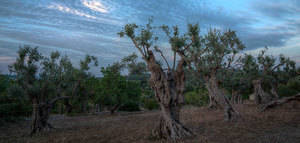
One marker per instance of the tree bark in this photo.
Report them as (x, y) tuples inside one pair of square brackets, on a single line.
[(212, 102), (115, 108), (40, 114), (168, 88), (219, 98), (274, 90), (68, 106), (236, 97), (233, 97), (280, 101), (169, 126), (240, 99), (260, 95), (35, 123)]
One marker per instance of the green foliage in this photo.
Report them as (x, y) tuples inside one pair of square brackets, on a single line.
[(134, 67), (14, 104), (284, 90), (214, 51), (116, 90), (197, 98), (291, 88), (150, 103), (130, 106), (26, 70), (268, 67), (294, 84)]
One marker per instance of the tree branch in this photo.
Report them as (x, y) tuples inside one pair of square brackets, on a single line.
[(140, 50), (174, 60), (277, 66), (280, 101), (162, 55)]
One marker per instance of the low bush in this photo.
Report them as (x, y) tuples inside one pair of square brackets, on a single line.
[(130, 106), (150, 104), (197, 98), (291, 88)]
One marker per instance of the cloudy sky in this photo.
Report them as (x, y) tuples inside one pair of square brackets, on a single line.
[(80, 27)]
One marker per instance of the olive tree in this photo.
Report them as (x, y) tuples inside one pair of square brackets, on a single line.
[(38, 77), (168, 84), (80, 89), (116, 91), (269, 70), (112, 87), (209, 57)]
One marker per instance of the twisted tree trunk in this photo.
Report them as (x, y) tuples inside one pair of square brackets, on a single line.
[(260, 95), (240, 99), (40, 114), (274, 90), (236, 98), (168, 88), (212, 102), (36, 124), (219, 98), (68, 106)]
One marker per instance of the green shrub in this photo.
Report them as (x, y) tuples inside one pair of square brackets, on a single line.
[(294, 84), (12, 110), (197, 98), (290, 89), (130, 106), (150, 104), (284, 90), (13, 104)]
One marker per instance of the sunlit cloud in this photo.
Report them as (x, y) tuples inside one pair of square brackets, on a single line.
[(95, 5), (82, 14), (70, 10)]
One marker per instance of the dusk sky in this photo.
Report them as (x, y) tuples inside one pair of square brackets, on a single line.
[(80, 27)]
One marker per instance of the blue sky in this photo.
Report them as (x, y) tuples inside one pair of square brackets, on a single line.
[(80, 27)]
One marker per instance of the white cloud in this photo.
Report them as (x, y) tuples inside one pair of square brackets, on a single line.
[(71, 11), (95, 5), (79, 13)]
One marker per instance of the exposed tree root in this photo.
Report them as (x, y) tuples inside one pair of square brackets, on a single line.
[(171, 130)]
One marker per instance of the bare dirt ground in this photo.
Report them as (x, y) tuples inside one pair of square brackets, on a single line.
[(278, 125)]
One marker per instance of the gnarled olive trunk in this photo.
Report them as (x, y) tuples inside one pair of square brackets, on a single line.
[(168, 88), (115, 108), (236, 98), (260, 95), (212, 101), (219, 99), (40, 114), (68, 106), (274, 90)]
